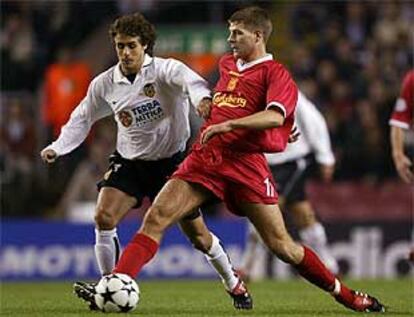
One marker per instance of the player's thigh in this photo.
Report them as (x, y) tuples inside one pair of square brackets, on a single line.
[(268, 221), (114, 203), (175, 200)]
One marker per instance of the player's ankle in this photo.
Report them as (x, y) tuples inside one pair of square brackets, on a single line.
[(342, 293)]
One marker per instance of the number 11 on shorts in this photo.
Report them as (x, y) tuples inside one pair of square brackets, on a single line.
[(270, 190)]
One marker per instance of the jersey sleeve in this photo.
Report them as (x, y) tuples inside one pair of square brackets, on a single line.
[(402, 115), (92, 108), (184, 78), (282, 92)]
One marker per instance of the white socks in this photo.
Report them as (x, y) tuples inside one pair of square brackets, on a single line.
[(107, 249), (221, 262), (315, 237)]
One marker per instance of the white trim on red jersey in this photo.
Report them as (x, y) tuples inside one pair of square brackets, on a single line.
[(241, 65), (278, 105), (399, 124)]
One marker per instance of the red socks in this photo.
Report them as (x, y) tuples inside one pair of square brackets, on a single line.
[(139, 251), (312, 269)]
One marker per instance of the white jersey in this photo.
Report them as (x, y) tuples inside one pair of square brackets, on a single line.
[(152, 113), (314, 136)]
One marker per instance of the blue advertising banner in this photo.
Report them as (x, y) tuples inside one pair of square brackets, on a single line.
[(36, 250), (58, 250)]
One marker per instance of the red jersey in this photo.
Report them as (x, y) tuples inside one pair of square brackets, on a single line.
[(402, 115), (243, 90)]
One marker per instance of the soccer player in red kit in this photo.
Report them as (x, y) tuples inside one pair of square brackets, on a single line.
[(400, 122), (251, 113)]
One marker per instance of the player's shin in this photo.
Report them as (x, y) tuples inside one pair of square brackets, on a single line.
[(219, 259), (107, 249), (140, 250)]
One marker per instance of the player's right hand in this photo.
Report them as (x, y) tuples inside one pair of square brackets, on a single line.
[(204, 108), (404, 168), (48, 155), (294, 134)]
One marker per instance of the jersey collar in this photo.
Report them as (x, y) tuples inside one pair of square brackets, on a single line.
[(241, 66), (120, 78)]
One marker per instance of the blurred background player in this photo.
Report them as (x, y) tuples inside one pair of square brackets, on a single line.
[(252, 112), (402, 121), (149, 98), (66, 83), (291, 169)]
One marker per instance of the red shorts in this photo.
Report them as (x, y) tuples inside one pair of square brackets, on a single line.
[(234, 177)]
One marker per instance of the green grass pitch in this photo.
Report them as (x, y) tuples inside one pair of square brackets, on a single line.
[(206, 298)]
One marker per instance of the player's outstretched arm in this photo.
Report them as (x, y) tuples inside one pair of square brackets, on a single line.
[(259, 121), (91, 109), (48, 155)]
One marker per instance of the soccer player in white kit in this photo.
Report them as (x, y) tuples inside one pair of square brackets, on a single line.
[(149, 98), (291, 170)]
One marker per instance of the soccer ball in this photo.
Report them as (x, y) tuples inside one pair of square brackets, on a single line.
[(117, 293)]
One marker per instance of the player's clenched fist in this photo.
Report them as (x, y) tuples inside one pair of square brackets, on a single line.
[(48, 155)]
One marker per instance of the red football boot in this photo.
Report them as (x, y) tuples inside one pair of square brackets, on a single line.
[(363, 303)]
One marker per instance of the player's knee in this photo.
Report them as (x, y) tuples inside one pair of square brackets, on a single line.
[(104, 219), (283, 249)]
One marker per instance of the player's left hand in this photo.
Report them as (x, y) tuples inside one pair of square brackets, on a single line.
[(204, 108), (214, 129)]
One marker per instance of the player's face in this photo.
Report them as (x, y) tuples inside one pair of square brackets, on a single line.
[(130, 53), (243, 42)]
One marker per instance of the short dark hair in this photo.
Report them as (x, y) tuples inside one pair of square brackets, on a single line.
[(254, 17), (135, 25)]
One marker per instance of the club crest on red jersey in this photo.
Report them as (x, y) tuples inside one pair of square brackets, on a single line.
[(231, 85), (125, 118), (149, 90), (234, 79)]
